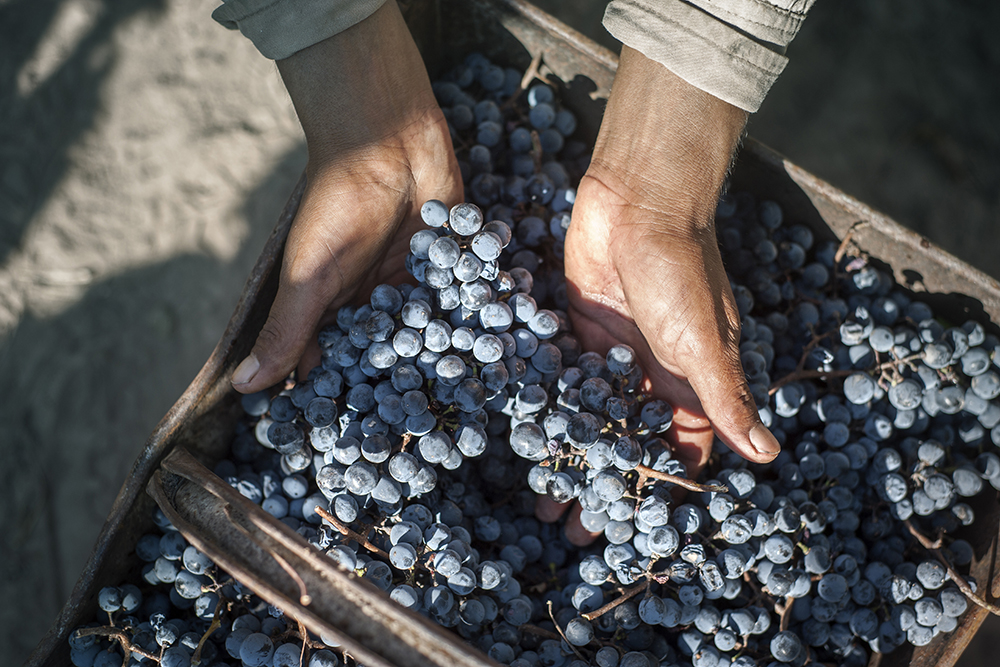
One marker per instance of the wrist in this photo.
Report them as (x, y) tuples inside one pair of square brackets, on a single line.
[(361, 87), (665, 146)]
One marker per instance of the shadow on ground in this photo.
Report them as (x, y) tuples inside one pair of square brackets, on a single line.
[(91, 384), (40, 120)]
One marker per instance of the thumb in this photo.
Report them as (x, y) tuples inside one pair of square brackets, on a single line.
[(698, 334), (725, 396), (282, 340), (328, 245)]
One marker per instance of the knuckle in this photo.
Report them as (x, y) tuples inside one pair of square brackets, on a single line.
[(741, 413), (730, 320), (271, 334), (742, 397)]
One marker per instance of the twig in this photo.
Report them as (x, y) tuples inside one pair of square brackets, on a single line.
[(815, 375), (215, 625), (894, 364), (304, 652), (347, 532), (536, 150), (626, 595), (810, 346), (529, 74), (784, 613), (842, 248), (925, 541), (761, 598), (117, 634), (304, 598), (562, 634), (647, 472), (959, 580), (807, 375), (302, 634)]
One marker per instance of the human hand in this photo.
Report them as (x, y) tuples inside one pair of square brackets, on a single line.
[(378, 147), (643, 265)]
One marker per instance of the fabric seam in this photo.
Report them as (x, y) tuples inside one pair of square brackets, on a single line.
[(257, 11), (736, 56)]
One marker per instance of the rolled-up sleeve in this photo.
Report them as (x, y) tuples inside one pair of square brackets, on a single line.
[(279, 28), (732, 49)]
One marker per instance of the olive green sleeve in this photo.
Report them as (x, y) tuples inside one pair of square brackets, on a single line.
[(279, 28), (733, 49)]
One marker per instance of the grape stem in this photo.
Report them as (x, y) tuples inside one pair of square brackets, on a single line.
[(806, 375), (536, 150), (347, 532), (302, 634), (758, 593), (959, 580), (628, 594), (530, 75), (304, 651), (562, 634), (121, 637), (784, 613), (801, 374), (304, 598), (215, 625), (646, 473), (846, 242)]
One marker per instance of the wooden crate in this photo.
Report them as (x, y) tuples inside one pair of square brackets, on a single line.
[(511, 32)]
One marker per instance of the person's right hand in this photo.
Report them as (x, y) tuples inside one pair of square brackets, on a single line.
[(643, 265), (378, 148)]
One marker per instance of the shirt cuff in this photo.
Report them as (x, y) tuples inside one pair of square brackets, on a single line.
[(280, 28), (773, 21), (727, 61)]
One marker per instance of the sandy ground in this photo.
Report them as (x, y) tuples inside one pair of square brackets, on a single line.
[(145, 153)]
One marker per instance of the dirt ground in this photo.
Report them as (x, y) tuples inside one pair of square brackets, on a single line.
[(145, 153)]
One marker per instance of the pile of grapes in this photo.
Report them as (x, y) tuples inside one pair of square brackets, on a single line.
[(413, 454)]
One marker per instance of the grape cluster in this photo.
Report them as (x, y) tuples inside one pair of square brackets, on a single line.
[(166, 624), (413, 454)]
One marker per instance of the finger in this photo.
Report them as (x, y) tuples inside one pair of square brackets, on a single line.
[(577, 535), (310, 359), (729, 405), (342, 228), (282, 340), (701, 338), (722, 388), (691, 436), (548, 510)]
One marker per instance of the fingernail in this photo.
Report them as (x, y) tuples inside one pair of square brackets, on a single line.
[(246, 370), (763, 441)]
